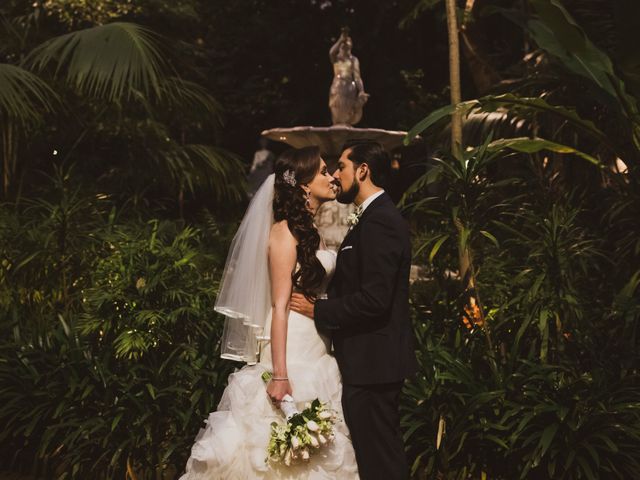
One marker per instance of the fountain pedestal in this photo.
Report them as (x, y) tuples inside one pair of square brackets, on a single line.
[(332, 216), (331, 219)]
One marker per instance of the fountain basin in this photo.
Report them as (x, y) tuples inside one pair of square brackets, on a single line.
[(330, 139)]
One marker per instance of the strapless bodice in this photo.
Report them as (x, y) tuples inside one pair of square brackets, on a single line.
[(304, 343), (328, 260)]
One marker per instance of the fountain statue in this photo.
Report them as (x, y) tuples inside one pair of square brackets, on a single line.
[(346, 99), (347, 95)]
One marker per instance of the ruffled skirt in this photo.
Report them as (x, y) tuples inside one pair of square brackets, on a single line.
[(233, 444)]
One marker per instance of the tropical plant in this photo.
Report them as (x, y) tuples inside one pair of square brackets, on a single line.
[(541, 262), (527, 384), (113, 375), (118, 78)]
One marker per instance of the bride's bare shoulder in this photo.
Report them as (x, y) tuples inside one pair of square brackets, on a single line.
[(281, 235)]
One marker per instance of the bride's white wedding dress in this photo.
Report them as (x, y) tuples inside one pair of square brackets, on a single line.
[(233, 445)]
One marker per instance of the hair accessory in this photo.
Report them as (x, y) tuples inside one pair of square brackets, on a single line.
[(289, 177)]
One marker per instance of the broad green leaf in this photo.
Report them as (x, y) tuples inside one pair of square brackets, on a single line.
[(557, 32), (437, 115), (533, 145), (113, 61), (24, 97), (517, 104), (490, 237), (546, 438), (437, 246), (116, 420)]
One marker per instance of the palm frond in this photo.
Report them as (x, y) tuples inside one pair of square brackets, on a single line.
[(203, 166), (23, 95), (110, 61), (191, 97), (221, 170)]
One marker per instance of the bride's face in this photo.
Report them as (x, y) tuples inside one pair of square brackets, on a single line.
[(322, 187)]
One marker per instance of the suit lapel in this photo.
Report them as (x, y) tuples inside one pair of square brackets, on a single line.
[(381, 200), (350, 236), (378, 202)]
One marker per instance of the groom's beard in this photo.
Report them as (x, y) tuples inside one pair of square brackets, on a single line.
[(348, 196)]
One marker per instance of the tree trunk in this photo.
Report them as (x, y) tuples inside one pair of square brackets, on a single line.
[(467, 269), (454, 75)]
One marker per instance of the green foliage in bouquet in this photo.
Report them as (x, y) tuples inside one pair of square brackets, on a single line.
[(302, 433)]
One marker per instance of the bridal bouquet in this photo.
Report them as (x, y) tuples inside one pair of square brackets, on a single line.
[(303, 433)]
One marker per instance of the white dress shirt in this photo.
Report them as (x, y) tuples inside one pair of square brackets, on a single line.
[(363, 206)]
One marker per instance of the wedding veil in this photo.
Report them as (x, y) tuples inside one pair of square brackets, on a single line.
[(245, 289)]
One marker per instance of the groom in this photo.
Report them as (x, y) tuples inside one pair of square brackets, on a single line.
[(367, 312)]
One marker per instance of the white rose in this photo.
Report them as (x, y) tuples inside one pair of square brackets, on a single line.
[(322, 439), (324, 415), (314, 441), (313, 426), (295, 442)]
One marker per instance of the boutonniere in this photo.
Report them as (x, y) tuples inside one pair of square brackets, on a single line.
[(354, 217)]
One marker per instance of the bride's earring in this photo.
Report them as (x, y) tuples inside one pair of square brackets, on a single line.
[(307, 202)]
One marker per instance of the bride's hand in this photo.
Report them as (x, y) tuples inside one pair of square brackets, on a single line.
[(277, 389)]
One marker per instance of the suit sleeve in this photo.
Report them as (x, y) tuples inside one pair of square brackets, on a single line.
[(380, 253)]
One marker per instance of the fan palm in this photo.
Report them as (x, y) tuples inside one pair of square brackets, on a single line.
[(110, 61), (123, 66), (24, 97)]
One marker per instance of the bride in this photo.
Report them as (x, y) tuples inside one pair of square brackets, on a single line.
[(277, 250)]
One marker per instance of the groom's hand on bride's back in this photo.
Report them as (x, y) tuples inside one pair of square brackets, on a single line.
[(301, 305)]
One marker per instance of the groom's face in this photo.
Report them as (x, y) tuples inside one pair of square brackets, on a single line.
[(346, 179)]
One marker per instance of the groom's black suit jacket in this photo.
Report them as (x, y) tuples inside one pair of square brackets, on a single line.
[(367, 310)]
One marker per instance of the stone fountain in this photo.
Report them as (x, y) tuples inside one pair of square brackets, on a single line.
[(346, 101)]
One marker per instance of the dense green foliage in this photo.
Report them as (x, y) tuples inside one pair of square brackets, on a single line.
[(108, 335), (121, 194), (539, 380), (547, 386)]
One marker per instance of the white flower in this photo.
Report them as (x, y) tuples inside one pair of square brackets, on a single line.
[(313, 426), (305, 454), (322, 439), (314, 441), (295, 442), (325, 415), (354, 217)]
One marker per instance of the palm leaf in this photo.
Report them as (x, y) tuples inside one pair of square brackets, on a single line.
[(190, 97), (557, 32), (220, 169), (110, 61), (533, 145), (23, 95), (196, 165), (515, 104)]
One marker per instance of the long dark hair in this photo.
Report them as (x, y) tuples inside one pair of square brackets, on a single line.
[(290, 203)]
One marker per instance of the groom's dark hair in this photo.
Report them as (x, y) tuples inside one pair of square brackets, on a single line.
[(371, 153)]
